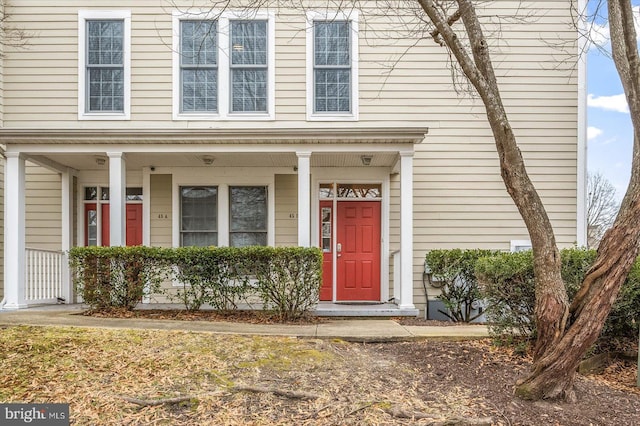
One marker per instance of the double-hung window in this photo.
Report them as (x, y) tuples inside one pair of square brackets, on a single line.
[(104, 64), (332, 66), (198, 216), (223, 65), (248, 225), (198, 66), (248, 65), (332, 74)]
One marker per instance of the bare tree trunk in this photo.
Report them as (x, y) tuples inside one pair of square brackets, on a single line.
[(553, 373), (552, 305), (557, 350)]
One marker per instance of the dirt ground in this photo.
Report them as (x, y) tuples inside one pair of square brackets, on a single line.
[(467, 382), (234, 380)]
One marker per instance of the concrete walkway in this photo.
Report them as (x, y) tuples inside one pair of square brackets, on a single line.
[(362, 330)]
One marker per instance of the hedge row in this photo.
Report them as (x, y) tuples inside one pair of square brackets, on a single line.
[(286, 280), (505, 283)]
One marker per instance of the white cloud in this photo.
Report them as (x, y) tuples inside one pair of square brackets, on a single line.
[(599, 35), (610, 103), (593, 132)]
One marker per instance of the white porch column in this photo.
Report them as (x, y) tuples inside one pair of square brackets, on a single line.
[(406, 230), (67, 232), (304, 198), (14, 232), (117, 199)]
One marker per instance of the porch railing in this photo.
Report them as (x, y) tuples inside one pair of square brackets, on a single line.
[(44, 275)]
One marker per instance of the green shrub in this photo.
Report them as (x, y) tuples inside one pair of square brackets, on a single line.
[(508, 284), (117, 277), (453, 271), (210, 275), (289, 279)]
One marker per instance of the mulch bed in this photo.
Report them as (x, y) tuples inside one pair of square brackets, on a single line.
[(252, 317)]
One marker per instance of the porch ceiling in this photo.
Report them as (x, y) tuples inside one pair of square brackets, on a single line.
[(287, 159)]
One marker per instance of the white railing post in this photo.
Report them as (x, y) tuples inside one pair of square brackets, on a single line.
[(66, 284), (43, 275)]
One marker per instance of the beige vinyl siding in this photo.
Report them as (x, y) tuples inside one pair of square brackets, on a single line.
[(459, 198), (286, 207), (160, 207), (160, 210), (395, 87), (43, 208)]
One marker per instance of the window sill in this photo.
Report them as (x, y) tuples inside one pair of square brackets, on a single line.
[(332, 117), (196, 117), (104, 116), (221, 117)]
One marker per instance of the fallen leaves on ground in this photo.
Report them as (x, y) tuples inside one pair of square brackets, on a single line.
[(230, 380)]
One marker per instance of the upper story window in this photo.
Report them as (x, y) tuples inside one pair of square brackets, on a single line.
[(199, 66), (332, 66), (224, 66), (104, 65), (249, 66)]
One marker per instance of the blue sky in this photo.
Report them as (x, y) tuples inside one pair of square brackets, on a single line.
[(610, 135)]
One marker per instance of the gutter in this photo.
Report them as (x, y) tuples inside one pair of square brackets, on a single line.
[(260, 135)]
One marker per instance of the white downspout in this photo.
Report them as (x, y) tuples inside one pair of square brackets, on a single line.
[(581, 194)]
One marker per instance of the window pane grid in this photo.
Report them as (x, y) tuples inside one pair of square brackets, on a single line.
[(198, 215), (198, 43), (248, 66), (105, 68), (249, 90), (332, 43), (332, 66), (248, 215), (198, 66)]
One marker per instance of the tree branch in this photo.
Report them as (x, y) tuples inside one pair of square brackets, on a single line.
[(450, 21)]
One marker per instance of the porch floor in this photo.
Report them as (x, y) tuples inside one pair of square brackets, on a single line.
[(324, 309), (328, 309)]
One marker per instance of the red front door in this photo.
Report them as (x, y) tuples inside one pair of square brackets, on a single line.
[(133, 224), (358, 251)]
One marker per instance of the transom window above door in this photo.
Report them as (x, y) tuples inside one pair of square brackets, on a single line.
[(369, 191), (224, 66)]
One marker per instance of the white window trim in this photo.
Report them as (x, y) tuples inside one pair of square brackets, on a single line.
[(352, 17), (515, 244), (83, 16), (224, 95), (187, 178)]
